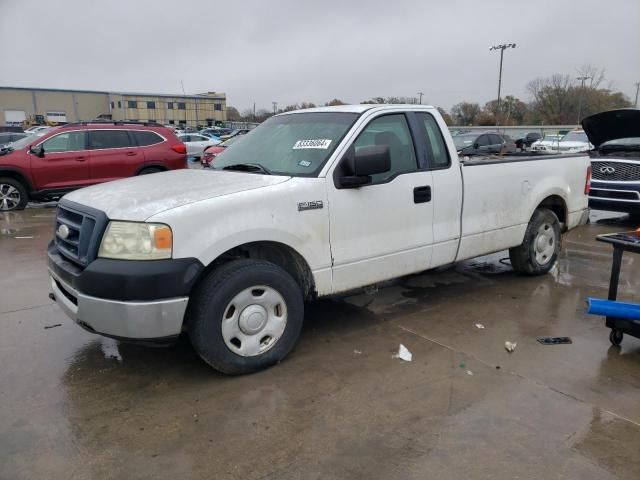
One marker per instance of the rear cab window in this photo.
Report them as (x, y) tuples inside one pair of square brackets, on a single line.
[(437, 152)]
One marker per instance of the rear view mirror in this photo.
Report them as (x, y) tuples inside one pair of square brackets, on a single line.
[(367, 161), (37, 150), (476, 146)]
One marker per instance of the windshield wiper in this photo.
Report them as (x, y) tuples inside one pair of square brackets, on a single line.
[(248, 167)]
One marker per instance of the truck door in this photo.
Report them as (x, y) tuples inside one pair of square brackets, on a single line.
[(383, 229), (446, 189)]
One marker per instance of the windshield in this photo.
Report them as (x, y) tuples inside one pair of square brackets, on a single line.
[(23, 142), (575, 137), (296, 144), (462, 141)]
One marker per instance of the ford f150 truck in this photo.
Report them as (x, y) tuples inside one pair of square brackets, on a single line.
[(310, 203), (615, 160)]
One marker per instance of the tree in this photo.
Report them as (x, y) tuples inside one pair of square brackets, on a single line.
[(512, 110), (233, 114), (304, 105), (558, 99), (465, 113), (333, 102), (447, 118)]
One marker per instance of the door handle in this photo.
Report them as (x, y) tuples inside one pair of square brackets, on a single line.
[(131, 154), (422, 194), (80, 159)]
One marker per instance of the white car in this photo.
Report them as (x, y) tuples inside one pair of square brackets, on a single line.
[(38, 130), (196, 143), (312, 203), (548, 144), (574, 142)]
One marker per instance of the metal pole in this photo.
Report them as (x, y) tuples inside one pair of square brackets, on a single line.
[(582, 80), (421, 94), (184, 95), (499, 86), (637, 89)]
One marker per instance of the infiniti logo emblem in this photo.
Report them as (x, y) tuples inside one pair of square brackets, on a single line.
[(63, 232), (608, 170)]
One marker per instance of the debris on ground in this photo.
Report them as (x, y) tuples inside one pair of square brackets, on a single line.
[(479, 326), (469, 372), (554, 340), (22, 238), (463, 365), (510, 346), (403, 354), (357, 352), (46, 327)]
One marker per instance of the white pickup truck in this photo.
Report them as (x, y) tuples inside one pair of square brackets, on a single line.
[(311, 203)]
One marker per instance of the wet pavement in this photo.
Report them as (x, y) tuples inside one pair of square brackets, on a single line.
[(77, 406)]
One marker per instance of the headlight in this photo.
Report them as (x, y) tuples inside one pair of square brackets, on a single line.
[(136, 241)]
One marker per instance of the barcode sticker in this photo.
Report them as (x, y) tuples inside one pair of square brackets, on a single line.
[(322, 143)]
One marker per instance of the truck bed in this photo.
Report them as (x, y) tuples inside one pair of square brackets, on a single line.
[(514, 157)]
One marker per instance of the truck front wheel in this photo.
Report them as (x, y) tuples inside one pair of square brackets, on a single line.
[(539, 250), (13, 195), (245, 316)]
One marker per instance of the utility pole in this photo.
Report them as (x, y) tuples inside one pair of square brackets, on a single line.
[(582, 80), (502, 48), (421, 94), (275, 107), (637, 89)]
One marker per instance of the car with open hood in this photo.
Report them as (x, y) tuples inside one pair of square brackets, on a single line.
[(615, 160)]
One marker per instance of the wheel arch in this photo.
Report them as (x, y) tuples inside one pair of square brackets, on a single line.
[(157, 165), (280, 254), (558, 205), (17, 175)]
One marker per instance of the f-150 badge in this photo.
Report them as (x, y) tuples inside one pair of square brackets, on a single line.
[(302, 206)]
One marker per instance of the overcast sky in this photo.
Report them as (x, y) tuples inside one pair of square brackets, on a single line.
[(292, 51)]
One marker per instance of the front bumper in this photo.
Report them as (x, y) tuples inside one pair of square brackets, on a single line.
[(136, 300), (142, 321)]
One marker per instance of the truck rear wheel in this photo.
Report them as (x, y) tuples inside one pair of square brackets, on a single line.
[(541, 245), (13, 195), (245, 316)]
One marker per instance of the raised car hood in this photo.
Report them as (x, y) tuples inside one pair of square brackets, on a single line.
[(612, 125), (139, 198)]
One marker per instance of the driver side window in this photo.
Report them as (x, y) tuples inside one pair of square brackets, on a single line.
[(393, 131), (66, 142)]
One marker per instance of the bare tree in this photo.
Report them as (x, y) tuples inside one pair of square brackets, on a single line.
[(465, 113)]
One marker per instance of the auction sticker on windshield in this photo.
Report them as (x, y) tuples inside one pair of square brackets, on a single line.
[(322, 143)]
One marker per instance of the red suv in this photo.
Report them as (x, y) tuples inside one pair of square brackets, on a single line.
[(80, 154)]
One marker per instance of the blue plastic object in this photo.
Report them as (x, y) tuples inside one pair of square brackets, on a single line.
[(611, 308)]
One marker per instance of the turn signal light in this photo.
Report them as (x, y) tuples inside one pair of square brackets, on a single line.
[(179, 148), (162, 238), (587, 183)]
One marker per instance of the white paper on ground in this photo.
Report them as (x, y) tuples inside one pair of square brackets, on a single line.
[(403, 354)]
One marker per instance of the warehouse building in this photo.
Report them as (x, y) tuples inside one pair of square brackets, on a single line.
[(29, 106)]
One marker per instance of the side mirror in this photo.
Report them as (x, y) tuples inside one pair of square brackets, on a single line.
[(37, 150), (476, 146), (366, 162)]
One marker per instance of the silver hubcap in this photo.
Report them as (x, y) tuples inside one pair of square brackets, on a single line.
[(9, 197), (544, 244), (254, 321)]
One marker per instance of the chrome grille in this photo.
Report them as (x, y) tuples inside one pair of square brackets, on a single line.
[(622, 171), (77, 233)]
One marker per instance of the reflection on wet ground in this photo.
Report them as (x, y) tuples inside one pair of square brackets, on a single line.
[(74, 405)]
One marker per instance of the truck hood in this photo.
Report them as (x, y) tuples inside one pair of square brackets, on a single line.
[(612, 125), (139, 198)]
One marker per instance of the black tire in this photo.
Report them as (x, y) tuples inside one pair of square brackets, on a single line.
[(150, 170), (209, 304), (529, 258), (615, 337), (13, 195)]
